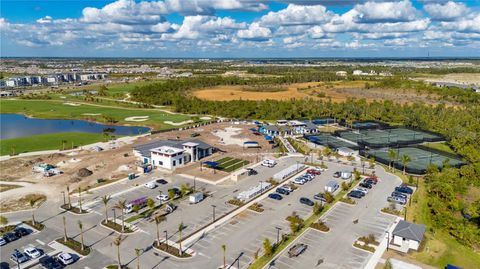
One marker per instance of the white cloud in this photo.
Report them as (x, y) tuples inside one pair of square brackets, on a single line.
[(464, 24), (446, 12), (297, 15), (385, 12), (255, 32)]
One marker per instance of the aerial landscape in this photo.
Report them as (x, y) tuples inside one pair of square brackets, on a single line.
[(240, 134)]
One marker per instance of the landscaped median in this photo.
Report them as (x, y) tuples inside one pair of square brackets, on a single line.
[(117, 227), (74, 245)]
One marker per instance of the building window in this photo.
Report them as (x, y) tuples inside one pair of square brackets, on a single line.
[(179, 161), (174, 162), (160, 163)]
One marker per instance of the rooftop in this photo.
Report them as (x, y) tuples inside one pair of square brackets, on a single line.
[(409, 230), (167, 150)]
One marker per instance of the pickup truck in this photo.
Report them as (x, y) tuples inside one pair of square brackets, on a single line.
[(296, 250)]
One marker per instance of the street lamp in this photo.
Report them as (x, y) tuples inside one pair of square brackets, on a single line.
[(166, 239), (63, 193), (388, 239), (194, 180), (278, 234), (114, 216), (213, 207)]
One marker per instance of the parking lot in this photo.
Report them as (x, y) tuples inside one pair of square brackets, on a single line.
[(335, 248)]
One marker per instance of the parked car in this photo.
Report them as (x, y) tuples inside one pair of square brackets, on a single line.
[(49, 262), (314, 171), (2, 241), (320, 196), (9, 237), (306, 201), (396, 200), (32, 252), (162, 197), (404, 189), (251, 171), (18, 256), (269, 163), (373, 179), (177, 191), (355, 194), (66, 258), (150, 185), (399, 194), (298, 181), (361, 189), (296, 250), (369, 181), (337, 174), (169, 208), (275, 196), (288, 188), (161, 181), (21, 231), (4, 265), (282, 191), (365, 185)]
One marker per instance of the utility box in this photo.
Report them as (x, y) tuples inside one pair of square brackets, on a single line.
[(196, 198)]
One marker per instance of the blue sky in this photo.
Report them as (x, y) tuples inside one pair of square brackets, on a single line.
[(240, 28)]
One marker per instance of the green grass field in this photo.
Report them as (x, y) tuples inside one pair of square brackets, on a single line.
[(229, 164), (54, 109), (47, 142), (440, 146)]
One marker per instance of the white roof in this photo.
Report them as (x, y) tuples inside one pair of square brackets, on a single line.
[(190, 144), (167, 150)]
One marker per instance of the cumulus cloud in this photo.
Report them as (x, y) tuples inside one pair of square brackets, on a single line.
[(385, 12), (298, 15), (446, 12), (255, 32)]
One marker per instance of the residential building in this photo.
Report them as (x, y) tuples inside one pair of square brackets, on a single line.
[(341, 73), (407, 235)]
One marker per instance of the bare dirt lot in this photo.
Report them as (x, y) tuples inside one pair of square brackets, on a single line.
[(110, 164), (467, 78), (337, 91)]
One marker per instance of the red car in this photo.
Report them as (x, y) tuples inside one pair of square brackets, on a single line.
[(372, 179), (313, 172)]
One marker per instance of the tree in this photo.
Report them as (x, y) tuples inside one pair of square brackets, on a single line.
[(32, 205), (117, 242), (180, 229), (392, 155), (150, 203), (63, 144), (267, 247), (345, 186), (122, 205), (158, 220), (105, 200), (224, 249), (328, 197), (65, 237), (3, 220), (80, 199), (405, 160), (388, 264), (317, 208), (185, 189), (327, 152), (171, 194), (296, 223), (138, 251), (68, 196), (102, 91), (80, 226)]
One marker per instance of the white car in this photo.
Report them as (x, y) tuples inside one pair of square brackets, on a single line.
[(2, 241), (162, 197), (361, 189), (298, 181), (150, 185), (65, 258), (32, 252), (287, 188)]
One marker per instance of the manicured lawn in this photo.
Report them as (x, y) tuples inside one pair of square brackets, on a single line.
[(440, 146), (47, 142), (62, 109), (228, 164)]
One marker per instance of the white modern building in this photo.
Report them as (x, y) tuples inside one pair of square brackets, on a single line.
[(170, 154), (407, 235)]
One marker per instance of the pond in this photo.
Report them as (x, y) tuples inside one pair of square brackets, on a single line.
[(13, 126)]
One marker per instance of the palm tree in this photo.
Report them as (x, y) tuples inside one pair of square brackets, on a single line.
[(63, 144), (68, 196), (105, 200), (32, 205), (392, 154), (158, 220), (180, 229), (121, 205), (117, 241), (138, 251), (80, 226), (65, 237), (224, 248), (405, 160), (80, 198)]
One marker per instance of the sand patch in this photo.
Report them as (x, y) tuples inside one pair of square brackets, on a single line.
[(178, 123), (71, 104), (137, 118), (227, 136), (205, 118), (92, 114)]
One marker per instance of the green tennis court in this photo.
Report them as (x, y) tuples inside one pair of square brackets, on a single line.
[(389, 137), (331, 141)]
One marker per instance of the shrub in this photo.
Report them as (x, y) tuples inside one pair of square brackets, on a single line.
[(235, 202), (320, 225)]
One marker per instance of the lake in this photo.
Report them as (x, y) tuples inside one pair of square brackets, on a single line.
[(13, 126)]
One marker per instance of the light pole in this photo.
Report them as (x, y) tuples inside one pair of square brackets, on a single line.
[(114, 216), (388, 239), (166, 239), (213, 207), (278, 234), (194, 185), (63, 193), (297, 166)]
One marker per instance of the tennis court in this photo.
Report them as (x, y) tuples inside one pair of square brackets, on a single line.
[(328, 140), (380, 138), (229, 164), (362, 125), (420, 159)]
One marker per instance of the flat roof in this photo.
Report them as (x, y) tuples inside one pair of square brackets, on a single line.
[(190, 144), (167, 150)]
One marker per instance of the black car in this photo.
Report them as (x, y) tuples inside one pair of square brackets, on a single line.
[(49, 262), (20, 231), (252, 172), (365, 185), (356, 194), (282, 191), (306, 201), (369, 181), (399, 194), (320, 197), (161, 181), (4, 265), (275, 196), (404, 189), (337, 174), (10, 237)]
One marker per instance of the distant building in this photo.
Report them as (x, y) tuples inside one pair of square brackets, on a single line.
[(170, 154), (341, 73), (7, 94), (357, 72), (407, 235)]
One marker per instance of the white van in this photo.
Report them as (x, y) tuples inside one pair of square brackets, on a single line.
[(269, 163)]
